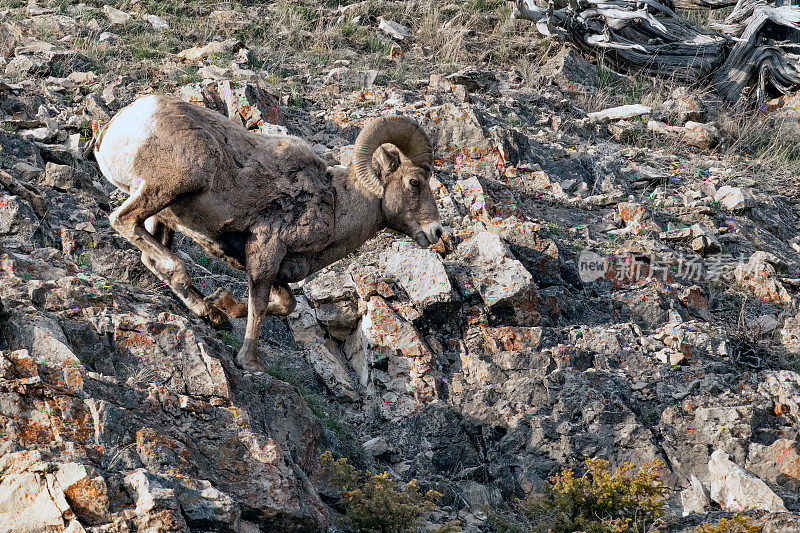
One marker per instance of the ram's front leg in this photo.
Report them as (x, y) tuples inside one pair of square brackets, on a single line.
[(264, 253)]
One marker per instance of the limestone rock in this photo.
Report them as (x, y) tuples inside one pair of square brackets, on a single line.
[(778, 463), (157, 22), (694, 498), (503, 283), (733, 198), (323, 354), (61, 177), (348, 77), (759, 275), (422, 275), (116, 16), (87, 495), (249, 105), (737, 489), (215, 47), (335, 301), (620, 113), (386, 339), (17, 220), (393, 29), (474, 79)]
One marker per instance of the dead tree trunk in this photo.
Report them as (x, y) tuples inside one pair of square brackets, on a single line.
[(752, 55)]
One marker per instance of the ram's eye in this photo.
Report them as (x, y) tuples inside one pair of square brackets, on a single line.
[(415, 183)]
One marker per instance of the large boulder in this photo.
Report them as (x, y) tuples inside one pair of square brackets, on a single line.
[(250, 105), (421, 274), (504, 284), (737, 489)]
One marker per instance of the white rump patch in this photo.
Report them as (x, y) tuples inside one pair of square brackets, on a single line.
[(125, 134)]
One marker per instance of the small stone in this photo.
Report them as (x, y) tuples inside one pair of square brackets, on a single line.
[(701, 135), (82, 77), (116, 16), (765, 324), (214, 47), (670, 357), (620, 112), (108, 37), (393, 29), (60, 177), (85, 226), (27, 172), (733, 198), (157, 22), (376, 446)]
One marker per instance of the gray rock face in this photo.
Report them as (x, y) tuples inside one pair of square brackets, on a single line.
[(571, 72), (118, 376), (484, 364)]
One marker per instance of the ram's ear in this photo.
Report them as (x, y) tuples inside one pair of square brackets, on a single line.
[(386, 160)]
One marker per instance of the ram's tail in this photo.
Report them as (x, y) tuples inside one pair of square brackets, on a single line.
[(98, 131)]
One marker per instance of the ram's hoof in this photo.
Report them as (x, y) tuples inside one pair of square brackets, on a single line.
[(218, 319), (223, 299), (250, 363)]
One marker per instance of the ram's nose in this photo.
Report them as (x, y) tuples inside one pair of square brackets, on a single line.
[(433, 231)]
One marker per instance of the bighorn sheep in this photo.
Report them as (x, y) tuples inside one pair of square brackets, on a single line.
[(265, 204)]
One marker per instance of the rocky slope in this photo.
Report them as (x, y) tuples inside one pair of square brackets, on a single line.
[(612, 288)]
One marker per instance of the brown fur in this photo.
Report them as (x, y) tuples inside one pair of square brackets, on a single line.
[(267, 204)]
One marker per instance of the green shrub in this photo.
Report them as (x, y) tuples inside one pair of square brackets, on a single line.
[(372, 501), (737, 524), (624, 500)]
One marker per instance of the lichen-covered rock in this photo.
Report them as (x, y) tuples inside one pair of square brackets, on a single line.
[(18, 222), (385, 340), (421, 274)]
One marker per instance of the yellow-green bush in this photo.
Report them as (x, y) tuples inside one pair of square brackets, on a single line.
[(624, 500), (372, 501), (737, 524)]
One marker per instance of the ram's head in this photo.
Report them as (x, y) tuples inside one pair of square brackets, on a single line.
[(393, 158)]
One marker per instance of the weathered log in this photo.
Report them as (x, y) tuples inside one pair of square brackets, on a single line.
[(703, 4), (753, 54)]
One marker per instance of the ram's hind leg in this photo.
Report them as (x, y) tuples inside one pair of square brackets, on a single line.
[(130, 219)]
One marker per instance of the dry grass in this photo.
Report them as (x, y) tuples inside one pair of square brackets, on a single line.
[(312, 35)]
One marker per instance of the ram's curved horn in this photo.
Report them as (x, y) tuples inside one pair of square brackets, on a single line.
[(404, 133)]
